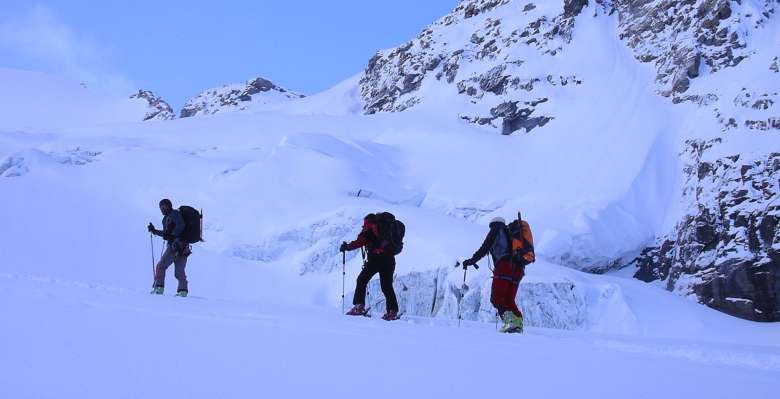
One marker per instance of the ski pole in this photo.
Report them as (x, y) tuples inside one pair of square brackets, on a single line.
[(368, 284), (343, 277), (463, 288), (154, 272), (492, 269), (462, 294)]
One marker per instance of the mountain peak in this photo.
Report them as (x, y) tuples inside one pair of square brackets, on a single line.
[(235, 97)]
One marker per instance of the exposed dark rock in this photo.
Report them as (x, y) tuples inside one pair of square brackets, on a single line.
[(515, 118), (768, 124), (511, 125), (159, 109), (681, 84), (725, 250), (724, 11), (572, 8), (259, 85), (493, 80), (695, 65), (475, 8)]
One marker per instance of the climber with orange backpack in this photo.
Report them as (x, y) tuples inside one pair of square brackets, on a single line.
[(512, 249)]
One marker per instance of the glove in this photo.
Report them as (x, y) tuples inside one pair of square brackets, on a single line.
[(344, 247), (150, 227), (469, 262)]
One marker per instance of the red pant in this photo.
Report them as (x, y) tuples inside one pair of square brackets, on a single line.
[(506, 280)]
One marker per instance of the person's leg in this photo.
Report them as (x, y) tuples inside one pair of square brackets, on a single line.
[(165, 261), (499, 288), (180, 263), (511, 296), (386, 282), (362, 282), (496, 288)]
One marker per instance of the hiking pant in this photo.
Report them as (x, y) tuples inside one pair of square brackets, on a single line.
[(385, 266), (179, 261), (506, 280)]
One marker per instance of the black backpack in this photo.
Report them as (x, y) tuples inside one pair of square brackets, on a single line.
[(392, 232), (193, 224)]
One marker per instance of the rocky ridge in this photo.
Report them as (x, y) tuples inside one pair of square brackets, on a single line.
[(159, 109), (236, 97)]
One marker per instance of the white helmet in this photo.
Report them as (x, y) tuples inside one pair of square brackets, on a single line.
[(498, 219)]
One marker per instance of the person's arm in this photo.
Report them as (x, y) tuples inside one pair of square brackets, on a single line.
[(361, 241), (153, 230), (485, 247)]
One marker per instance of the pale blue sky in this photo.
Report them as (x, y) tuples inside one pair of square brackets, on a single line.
[(179, 48)]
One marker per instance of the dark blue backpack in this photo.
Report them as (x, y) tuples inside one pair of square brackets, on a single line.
[(392, 232)]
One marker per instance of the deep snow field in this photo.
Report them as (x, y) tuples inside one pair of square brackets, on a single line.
[(280, 188)]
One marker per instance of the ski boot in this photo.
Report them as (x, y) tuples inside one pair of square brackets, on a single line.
[(182, 293), (514, 323), (157, 290), (391, 315), (358, 310), (507, 321)]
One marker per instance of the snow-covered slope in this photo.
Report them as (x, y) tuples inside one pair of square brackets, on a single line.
[(134, 345), (32, 100), (233, 97)]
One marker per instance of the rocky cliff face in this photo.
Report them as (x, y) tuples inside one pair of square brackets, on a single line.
[(683, 38), (236, 97), (726, 248), (473, 50), (159, 109)]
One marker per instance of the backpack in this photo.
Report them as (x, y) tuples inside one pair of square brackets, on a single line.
[(502, 245), (391, 231), (193, 224), (522, 242)]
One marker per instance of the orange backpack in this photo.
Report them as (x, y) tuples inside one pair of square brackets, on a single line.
[(522, 242)]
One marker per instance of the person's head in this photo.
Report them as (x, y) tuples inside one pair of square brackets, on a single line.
[(369, 219), (165, 206), (497, 221)]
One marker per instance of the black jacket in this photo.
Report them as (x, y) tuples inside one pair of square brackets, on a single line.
[(173, 226), (496, 249)]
